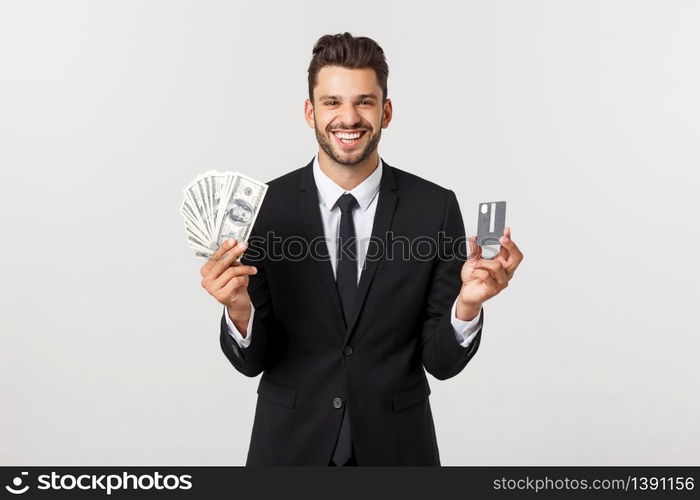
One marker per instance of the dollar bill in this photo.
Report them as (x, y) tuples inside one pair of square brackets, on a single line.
[(244, 198), (220, 205)]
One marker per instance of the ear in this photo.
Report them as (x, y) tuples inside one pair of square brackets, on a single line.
[(309, 113), (388, 113)]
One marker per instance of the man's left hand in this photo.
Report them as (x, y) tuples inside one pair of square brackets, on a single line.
[(484, 278)]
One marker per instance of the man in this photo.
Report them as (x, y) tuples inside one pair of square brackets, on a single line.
[(340, 328)]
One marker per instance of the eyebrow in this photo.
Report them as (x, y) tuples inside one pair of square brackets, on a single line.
[(338, 98)]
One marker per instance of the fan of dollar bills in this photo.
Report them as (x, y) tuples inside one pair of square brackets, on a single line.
[(220, 205)]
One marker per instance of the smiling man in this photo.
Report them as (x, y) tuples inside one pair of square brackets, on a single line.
[(342, 329)]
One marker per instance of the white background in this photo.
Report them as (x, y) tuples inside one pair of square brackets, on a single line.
[(583, 115)]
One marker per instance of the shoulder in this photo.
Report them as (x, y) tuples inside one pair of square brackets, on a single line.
[(288, 180), (412, 184)]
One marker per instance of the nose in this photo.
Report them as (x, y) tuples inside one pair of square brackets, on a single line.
[(348, 117)]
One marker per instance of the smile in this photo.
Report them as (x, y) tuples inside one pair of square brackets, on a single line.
[(349, 140)]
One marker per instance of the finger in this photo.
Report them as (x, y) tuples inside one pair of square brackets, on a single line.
[(234, 272), (503, 256), (225, 246), (515, 255), (214, 258), (227, 259), (230, 291), (213, 285), (474, 249), (232, 285), (491, 285), (495, 269), (481, 274)]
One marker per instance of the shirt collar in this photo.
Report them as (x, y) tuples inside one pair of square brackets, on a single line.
[(364, 192)]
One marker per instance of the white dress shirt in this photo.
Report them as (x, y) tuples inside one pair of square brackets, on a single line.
[(366, 194)]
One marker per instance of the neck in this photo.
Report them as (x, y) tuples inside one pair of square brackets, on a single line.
[(345, 176)]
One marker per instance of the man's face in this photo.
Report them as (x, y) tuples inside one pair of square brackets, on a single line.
[(348, 101)]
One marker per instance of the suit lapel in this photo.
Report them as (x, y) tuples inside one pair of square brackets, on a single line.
[(313, 225), (383, 216)]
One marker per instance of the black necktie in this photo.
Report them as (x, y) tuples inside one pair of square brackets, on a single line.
[(346, 257), (346, 282)]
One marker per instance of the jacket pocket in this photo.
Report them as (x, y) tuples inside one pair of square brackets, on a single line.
[(276, 392), (411, 396)]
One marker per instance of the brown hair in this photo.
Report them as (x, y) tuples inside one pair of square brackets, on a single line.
[(348, 51)]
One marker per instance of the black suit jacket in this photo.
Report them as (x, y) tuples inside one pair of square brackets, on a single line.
[(400, 328)]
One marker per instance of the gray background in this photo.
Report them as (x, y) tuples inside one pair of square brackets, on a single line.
[(582, 114)]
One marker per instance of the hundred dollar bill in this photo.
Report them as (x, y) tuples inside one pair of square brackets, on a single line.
[(220, 184), (220, 205), (236, 218), (195, 195)]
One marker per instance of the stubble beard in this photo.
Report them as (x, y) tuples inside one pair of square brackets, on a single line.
[(353, 159)]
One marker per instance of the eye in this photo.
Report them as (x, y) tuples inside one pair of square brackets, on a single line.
[(367, 102), (330, 102)]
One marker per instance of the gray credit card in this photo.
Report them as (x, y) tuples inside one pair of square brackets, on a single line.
[(492, 222)]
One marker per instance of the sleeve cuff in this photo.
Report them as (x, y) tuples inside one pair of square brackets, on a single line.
[(233, 331), (465, 331)]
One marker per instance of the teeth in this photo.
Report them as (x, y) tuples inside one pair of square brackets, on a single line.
[(342, 135)]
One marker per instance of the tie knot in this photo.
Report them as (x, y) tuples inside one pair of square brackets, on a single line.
[(346, 202)]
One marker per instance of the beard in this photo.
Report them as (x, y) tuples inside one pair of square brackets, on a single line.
[(348, 158)]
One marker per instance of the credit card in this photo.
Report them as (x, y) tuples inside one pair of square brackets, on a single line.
[(492, 222)]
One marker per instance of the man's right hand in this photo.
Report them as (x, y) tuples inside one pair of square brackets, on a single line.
[(226, 279)]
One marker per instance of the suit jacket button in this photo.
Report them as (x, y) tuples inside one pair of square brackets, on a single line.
[(337, 402), (348, 350)]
